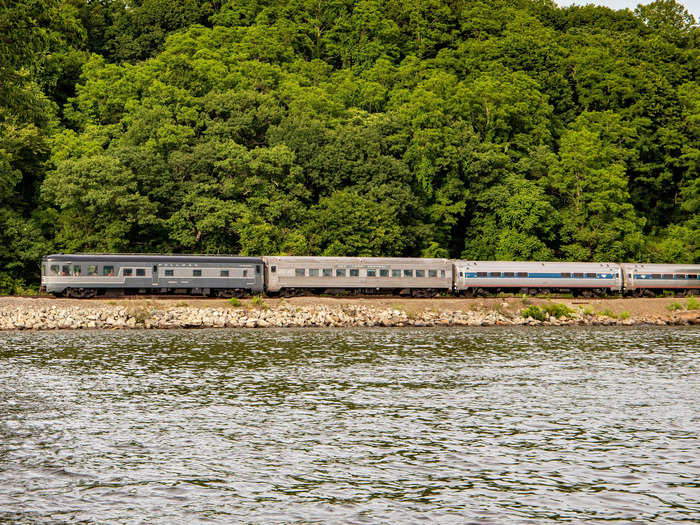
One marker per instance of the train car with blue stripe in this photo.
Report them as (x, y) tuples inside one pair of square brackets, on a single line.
[(650, 279), (482, 277)]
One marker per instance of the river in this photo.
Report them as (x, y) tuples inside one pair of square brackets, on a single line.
[(479, 425)]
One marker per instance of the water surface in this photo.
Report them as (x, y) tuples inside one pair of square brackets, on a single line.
[(481, 425)]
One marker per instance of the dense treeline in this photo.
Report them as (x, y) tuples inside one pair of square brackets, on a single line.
[(484, 129)]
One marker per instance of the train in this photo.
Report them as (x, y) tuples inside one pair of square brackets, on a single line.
[(93, 275)]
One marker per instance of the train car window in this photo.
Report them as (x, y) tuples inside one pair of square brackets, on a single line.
[(408, 273), (420, 273), (432, 273), (222, 273), (169, 273), (92, 269), (65, 270), (566, 275), (383, 273), (371, 273), (108, 271), (313, 272), (396, 273), (273, 269), (656, 276), (578, 275), (508, 274), (668, 276), (482, 274), (354, 272), (300, 272), (328, 272), (460, 274), (54, 269), (128, 272), (245, 273), (196, 273), (692, 276), (77, 270), (442, 273), (591, 275), (523, 274), (494, 274), (339, 272), (140, 272), (679, 276)]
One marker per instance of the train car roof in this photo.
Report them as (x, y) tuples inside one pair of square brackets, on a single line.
[(133, 257), (320, 259)]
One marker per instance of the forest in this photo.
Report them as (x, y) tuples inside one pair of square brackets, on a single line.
[(477, 129)]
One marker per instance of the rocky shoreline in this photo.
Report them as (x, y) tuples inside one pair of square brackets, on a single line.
[(155, 316)]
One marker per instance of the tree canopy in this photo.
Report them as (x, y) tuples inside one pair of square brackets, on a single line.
[(500, 129)]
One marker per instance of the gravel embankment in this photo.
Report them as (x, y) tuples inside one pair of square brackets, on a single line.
[(43, 314)]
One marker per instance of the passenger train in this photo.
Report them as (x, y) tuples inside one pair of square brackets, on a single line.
[(85, 275)]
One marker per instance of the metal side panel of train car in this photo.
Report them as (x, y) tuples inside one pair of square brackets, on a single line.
[(378, 273), (661, 276), (510, 274), (150, 273)]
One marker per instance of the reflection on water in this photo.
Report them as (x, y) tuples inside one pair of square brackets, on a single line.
[(352, 426)]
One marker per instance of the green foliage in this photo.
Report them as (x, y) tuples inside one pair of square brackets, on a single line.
[(692, 304), (533, 311), (557, 310), (487, 130), (608, 313), (258, 302), (235, 302), (674, 306), (623, 315)]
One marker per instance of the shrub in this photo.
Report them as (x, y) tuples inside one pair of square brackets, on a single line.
[(588, 310), (692, 304), (669, 293), (258, 302), (235, 302), (608, 313), (533, 311), (674, 306), (525, 300), (624, 315), (557, 310)]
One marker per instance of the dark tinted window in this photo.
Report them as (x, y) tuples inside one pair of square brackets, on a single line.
[(196, 273), (383, 273), (482, 274), (522, 274), (273, 269), (108, 271), (508, 274), (223, 273), (692, 276), (354, 272), (299, 272), (656, 276), (128, 272), (668, 276), (313, 272), (591, 276), (328, 272), (371, 273), (494, 274), (140, 272), (408, 273), (396, 273), (168, 273), (578, 275), (340, 272), (420, 273)]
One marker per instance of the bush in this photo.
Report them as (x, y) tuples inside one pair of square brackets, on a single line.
[(669, 293), (557, 310), (533, 311), (588, 310), (235, 302), (608, 313), (692, 304), (258, 302), (674, 306), (624, 315)]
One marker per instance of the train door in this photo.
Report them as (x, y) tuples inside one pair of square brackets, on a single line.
[(155, 275)]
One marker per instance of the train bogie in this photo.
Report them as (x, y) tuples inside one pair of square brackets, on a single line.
[(89, 275), (417, 277)]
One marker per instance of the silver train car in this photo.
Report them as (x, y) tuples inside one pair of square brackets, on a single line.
[(91, 275), (647, 279), (290, 276), (482, 277)]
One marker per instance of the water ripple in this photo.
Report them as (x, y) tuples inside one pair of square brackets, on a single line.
[(351, 426)]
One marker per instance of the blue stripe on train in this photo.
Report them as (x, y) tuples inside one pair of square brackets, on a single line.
[(473, 275)]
